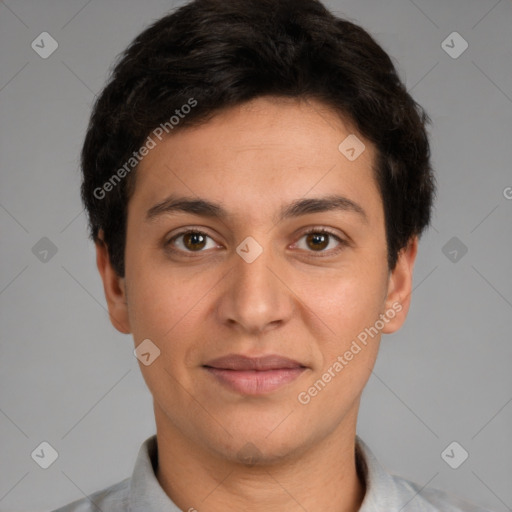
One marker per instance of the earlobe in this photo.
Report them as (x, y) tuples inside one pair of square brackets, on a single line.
[(398, 298), (114, 288)]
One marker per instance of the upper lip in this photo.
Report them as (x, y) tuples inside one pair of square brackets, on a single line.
[(240, 362)]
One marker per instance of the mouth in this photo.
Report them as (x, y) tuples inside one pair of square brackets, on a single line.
[(254, 375)]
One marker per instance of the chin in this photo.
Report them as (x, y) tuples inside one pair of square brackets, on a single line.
[(258, 445)]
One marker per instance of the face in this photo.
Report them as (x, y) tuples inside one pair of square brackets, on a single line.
[(305, 288)]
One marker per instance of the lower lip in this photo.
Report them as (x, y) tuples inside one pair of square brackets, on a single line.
[(252, 382)]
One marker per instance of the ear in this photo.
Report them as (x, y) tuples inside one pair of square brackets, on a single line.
[(114, 288), (398, 298)]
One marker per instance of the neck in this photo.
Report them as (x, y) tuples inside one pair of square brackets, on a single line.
[(323, 477)]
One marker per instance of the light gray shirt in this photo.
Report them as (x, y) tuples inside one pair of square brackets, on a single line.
[(384, 492)]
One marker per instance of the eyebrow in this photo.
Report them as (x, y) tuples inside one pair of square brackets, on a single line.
[(205, 208)]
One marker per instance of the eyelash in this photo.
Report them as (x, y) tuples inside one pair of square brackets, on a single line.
[(315, 230)]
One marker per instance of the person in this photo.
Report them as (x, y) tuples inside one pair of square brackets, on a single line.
[(257, 179)]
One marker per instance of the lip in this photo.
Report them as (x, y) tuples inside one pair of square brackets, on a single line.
[(241, 362), (254, 375)]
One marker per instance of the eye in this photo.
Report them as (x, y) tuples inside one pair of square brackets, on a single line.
[(193, 241), (318, 239)]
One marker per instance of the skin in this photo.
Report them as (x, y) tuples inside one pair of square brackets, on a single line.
[(291, 301)]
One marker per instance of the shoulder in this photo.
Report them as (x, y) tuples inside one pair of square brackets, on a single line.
[(110, 499), (388, 492), (427, 499)]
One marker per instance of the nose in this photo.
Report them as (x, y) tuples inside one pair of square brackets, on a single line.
[(255, 297)]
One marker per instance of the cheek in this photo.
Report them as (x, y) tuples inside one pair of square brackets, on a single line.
[(349, 309), (160, 305), (164, 309), (346, 301), (172, 306)]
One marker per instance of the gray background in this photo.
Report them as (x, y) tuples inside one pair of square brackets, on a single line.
[(68, 378)]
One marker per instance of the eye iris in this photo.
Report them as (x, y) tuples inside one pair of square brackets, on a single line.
[(318, 237), (193, 237)]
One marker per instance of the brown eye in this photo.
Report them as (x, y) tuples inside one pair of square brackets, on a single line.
[(317, 241), (194, 240), (191, 241)]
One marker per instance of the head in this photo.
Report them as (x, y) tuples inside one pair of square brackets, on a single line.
[(253, 106)]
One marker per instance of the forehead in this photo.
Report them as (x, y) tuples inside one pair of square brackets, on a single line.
[(269, 150)]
